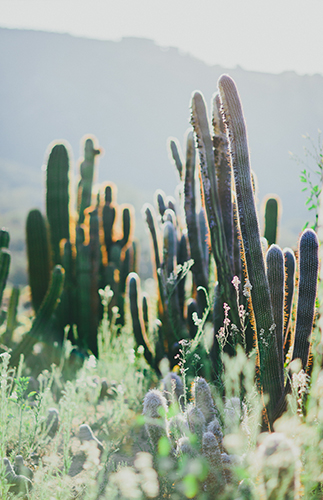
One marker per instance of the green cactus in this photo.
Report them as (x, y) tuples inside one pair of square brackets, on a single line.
[(139, 325), (4, 238), (57, 198), (85, 184), (5, 258), (290, 265), (38, 255), (267, 299), (270, 373), (271, 219), (90, 263), (276, 281), (194, 433), (12, 315), (42, 320), (199, 269), (307, 289)]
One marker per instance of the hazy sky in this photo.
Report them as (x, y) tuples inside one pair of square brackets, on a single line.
[(261, 35)]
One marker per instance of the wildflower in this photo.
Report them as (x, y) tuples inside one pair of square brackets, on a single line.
[(196, 320), (236, 282), (247, 289)]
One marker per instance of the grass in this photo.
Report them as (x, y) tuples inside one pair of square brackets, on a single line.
[(129, 468)]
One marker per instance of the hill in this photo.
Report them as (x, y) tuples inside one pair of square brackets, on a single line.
[(132, 95)]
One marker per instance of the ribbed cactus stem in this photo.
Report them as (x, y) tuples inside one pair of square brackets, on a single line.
[(199, 268), (271, 220), (150, 219), (276, 280), (155, 409), (43, 316), (108, 218), (160, 199), (199, 121), (87, 171), (203, 399), (4, 238), (223, 174), (175, 150), (290, 265), (57, 198), (39, 256), (12, 314), (5, 258), (307, 287), (138, 323), (271, 377)]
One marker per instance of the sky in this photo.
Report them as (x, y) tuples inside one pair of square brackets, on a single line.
[(259, 35)]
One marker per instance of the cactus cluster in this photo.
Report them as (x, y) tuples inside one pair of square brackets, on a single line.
[(86, 242), (193, 433), (227, 187)]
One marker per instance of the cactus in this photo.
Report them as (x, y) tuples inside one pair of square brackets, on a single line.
[(4, 269), (271, 219), (155, 410), (85, 184), (269, 334), (307, 288), (276, 281), (38, 255), (190, 434), (138, 324), (12, 315), (199, 269), (90, 263), (4, 238), (43, 317), (57, 198)]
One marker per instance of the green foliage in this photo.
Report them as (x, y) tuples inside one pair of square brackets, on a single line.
[(312, 176)]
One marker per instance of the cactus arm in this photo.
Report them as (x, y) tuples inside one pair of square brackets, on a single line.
[(57, 198), (161, 203), (108, 218), (271, 376), (199, 268), (4, 238), (38, 255), (175, 150), (85, 184), (276, 280), (236, 243), (137, 319), (150, 219), (5, 258), (290, 265), (307, 287), (223, 174), (126, 226), (43, 316), (271, 220), (12, 315), (210, 192), (182, 257)]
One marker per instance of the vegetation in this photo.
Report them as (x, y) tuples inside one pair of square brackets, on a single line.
[(205, 385)]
